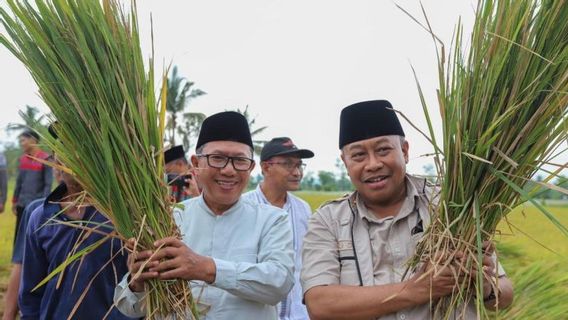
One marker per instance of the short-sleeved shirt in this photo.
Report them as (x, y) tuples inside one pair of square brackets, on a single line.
[(382, 247)]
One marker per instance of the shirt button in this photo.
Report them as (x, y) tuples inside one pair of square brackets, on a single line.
[(402, 317)]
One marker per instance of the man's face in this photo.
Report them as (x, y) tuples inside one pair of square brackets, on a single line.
[(26, 143), (377, 168), (284, 172), (222, 187)]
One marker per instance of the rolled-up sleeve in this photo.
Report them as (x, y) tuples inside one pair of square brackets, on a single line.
[(271, 278), (128, 302), (319, 255)]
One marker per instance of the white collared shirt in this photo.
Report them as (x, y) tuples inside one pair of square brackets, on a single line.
[(291, 308), (251, 245)]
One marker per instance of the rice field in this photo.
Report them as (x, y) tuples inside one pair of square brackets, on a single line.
[(553, 247)]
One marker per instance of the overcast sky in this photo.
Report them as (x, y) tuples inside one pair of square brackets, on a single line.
[(296, 63)]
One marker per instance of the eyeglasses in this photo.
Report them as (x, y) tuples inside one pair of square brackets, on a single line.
[(220, 161), (289, 165)]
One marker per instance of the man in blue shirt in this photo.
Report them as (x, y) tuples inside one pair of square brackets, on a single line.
[(11, 297), (57, 229), (283, 169)]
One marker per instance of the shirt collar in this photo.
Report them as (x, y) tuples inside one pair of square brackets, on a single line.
[(287, 204), (53, 207), (232, 209)]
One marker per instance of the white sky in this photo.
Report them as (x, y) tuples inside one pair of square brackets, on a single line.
[(296, 63)]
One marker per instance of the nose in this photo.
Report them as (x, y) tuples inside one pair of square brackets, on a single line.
[(375, 163), (229, 169), (297, 171)]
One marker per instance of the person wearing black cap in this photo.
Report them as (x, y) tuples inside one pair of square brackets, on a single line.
[(356, 248), (34, 178), (238, 255), (179, 175), (283, 169)]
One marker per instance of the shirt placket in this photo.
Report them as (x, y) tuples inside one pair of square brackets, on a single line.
[(398, 252)]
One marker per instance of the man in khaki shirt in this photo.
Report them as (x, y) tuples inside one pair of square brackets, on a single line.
[(356, 247)]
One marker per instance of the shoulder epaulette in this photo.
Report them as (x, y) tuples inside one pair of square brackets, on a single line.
[(336, 200)]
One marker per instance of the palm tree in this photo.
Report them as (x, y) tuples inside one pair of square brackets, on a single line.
[(31, 116), (180, 92), (257, 144), (190, 127)]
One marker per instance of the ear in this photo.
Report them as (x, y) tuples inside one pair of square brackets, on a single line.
[(342, 156), (405, 148), (264, 167), (194, 161)]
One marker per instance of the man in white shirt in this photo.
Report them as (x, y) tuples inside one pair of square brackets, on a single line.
[(283, 169), (238, 255)]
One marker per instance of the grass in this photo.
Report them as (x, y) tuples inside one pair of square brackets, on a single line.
[(316, 198)]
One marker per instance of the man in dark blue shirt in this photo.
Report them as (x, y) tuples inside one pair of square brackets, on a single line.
[(53, 236), (11, 296)]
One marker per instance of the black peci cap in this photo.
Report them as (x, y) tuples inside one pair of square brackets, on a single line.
[(174, 153), (225, 126), (369, 119)]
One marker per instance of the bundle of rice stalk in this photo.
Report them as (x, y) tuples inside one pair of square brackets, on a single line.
[(86, 59), (503, 107)]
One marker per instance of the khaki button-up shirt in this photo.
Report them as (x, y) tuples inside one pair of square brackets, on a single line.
[(381, 247)]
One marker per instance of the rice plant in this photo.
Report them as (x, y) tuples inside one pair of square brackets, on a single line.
[(503, 103), (86, 59)]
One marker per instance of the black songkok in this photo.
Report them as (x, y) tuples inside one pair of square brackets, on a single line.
[(225, 126), (174, 153), (369, 119)]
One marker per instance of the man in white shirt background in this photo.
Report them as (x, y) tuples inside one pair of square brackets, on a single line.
[(282, 170)]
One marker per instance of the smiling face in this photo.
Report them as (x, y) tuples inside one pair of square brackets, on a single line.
[(222, 187), (277, 172), (377, 169)]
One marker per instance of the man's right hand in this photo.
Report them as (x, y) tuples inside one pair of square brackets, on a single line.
[(14, 210), (437, 279), (137, 260)]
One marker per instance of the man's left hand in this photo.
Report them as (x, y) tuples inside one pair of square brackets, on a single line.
[(178, 261), (488, 266)]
